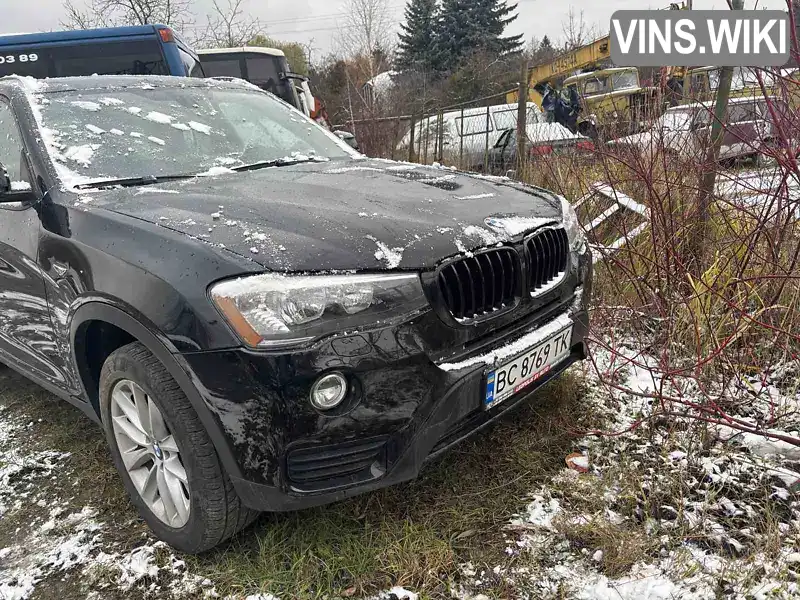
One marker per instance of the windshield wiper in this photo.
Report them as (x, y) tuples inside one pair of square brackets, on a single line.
[(277, 162), (153, 179), (131, 181)]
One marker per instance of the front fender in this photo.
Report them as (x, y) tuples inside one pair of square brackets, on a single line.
[(136, 325)]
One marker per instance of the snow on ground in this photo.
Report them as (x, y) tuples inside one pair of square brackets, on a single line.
[(765, 190), (732, 530), (64, 542), (655, 513)]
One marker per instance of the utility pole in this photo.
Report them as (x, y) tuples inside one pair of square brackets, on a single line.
[(707, 184), (522, 118)]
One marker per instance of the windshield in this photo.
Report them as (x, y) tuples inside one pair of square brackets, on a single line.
[(676, 120), (595, 86), (507, 119), (625, 80), (128, 132)]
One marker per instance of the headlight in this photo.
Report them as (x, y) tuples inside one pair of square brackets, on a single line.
[(282, 310), (577, 239)]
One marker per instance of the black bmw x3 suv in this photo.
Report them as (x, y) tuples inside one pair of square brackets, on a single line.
[(259, 317)]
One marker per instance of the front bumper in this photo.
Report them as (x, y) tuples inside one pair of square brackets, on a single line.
[(402, 411)]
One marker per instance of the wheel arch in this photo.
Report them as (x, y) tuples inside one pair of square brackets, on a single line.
[(141, 330)]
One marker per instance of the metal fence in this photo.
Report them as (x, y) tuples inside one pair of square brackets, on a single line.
[(470, 135)]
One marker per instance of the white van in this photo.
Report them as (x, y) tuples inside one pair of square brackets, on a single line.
[(467, 135)]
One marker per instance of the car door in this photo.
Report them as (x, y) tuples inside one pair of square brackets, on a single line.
[(499, 156), (744, 130), (26, 332)]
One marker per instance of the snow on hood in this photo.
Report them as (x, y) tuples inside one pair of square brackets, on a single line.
[(373, 218)]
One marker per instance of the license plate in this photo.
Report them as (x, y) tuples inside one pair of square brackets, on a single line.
[(519, 373)]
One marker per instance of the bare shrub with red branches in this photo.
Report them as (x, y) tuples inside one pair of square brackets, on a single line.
[(708, 302)]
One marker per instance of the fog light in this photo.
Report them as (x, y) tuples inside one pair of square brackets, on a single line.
[(329, 391)]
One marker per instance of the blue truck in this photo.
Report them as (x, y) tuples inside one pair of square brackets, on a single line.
[(137, 50)]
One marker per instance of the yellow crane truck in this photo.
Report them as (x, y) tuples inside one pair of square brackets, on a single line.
[(612, 98)]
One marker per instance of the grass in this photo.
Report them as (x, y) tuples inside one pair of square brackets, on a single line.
[(414, 535)]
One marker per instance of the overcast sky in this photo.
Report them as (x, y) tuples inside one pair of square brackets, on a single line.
[(317, 21)]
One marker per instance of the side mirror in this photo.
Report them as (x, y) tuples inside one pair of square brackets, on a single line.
[(347, 138), (5, 182), (14, 191)]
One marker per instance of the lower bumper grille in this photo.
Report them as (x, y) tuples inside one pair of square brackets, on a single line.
[(337, 465)]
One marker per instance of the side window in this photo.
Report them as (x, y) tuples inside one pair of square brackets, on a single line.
[(595, 86), (474, 124), (222, 68), (505, 119), (743, 112), (10, 144)]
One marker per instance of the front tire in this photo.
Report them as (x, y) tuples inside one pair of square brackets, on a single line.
[(164, 455)]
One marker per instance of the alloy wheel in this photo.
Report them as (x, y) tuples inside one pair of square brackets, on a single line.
[(150, 453)]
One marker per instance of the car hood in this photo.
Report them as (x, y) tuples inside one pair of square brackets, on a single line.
[(359, 214), (550, 132)]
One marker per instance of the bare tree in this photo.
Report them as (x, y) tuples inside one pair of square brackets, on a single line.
[(111, 13), (576, 32), (365, 31), (230, 26)]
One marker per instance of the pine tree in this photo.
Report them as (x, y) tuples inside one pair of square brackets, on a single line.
[(469, 26), (451, 41), (546, 47), (416, 48)]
